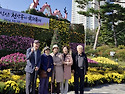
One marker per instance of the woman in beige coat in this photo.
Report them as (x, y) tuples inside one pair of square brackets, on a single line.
[(67, 61), (57, 71)]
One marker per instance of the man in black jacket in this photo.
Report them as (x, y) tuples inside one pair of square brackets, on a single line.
[(80, 67)]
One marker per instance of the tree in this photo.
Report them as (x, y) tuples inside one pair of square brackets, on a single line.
[(91, 12), (112, 23), (90, 36), (100, 14), (56, 39)]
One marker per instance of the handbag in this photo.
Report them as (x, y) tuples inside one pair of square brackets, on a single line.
[(43, 73)]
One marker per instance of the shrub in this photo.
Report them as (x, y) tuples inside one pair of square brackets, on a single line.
[(56, 40), (104, 60), (11, 87), (5, 52), (12, 44), (2, 85), (5, 75), (92, 53), (43, 35), (106, 63), (88, 47), (121, 46), (92, 61), (15, 42), (16, 61), (22, 86), (120, 55), (100, 50)]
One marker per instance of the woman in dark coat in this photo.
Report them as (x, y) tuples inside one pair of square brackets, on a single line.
[(46, 66)]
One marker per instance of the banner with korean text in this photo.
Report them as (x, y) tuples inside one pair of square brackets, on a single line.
[(18, 17)]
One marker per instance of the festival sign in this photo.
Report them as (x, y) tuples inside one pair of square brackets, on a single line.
[(18, 17)]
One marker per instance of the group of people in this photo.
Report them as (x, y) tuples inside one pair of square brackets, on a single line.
[(58, 66)]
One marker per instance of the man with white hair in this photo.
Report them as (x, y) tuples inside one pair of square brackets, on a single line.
[(80, 67)]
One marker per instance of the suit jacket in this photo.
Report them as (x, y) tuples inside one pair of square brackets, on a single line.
[(75, 62), (30, 56)]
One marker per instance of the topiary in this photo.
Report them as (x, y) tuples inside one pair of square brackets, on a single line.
[(55, 39)]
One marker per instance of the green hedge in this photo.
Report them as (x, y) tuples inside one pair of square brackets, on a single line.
[(44, 35), (105, 50)]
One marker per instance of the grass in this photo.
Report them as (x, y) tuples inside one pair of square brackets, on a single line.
[(122, 63)]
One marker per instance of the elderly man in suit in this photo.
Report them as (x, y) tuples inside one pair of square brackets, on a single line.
[(33, 63), (80, 67)]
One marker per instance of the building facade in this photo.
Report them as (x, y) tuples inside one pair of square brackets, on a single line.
[(88, 22)]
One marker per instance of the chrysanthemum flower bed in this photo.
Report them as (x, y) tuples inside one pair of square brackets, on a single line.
[(97, 74), (16, 61)]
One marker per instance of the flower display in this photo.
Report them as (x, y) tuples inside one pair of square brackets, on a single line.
[(14, 61), (5, 75), (12, 86), (91, 61), (15, 42), (15, 77), (104, 60), (96, 76)]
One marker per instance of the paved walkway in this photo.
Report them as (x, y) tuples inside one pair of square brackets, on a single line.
[(105, 89)]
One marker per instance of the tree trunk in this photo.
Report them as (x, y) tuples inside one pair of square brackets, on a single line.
[(96, 38), (114, 33), (115, 39), (99, 27)]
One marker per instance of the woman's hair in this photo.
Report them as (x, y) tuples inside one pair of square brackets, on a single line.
[(67, 48)]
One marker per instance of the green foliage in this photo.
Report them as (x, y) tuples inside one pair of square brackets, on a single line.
[(2, 85), (112, 14), (88, 47), (77, 33), (121, 47), (56, 39), (67, 34), (22, 86), (105, 50), (13, 29), (5, 52), (90, 36), (90, 11), (120, 55)]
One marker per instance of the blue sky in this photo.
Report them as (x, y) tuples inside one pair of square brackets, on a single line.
[(22, 5)]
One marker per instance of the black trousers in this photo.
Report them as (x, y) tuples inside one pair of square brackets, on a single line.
[(79, 74), (55, 89)]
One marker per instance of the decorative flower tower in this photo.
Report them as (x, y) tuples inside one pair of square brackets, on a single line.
[(46, 6)]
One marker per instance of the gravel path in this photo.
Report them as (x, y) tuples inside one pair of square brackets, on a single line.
[(105, 89)]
